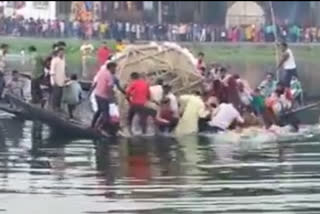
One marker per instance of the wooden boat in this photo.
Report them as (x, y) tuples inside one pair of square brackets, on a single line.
[(56, 121)]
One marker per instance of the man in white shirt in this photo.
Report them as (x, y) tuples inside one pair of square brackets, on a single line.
[(128, 29), (86, 51), (96, 29), (58, 78), (288, 63), (156, 92), (174, 106), (62, 28), (223, 117)]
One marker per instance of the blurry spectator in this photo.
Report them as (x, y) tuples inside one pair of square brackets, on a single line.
[(102, 29)]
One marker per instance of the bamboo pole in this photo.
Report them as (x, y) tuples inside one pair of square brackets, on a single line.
[(275, 37)]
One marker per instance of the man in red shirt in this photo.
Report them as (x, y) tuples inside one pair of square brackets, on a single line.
[(138, 94), (103, 54)]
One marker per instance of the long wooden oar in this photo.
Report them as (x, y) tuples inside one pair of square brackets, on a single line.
[(303, 108)]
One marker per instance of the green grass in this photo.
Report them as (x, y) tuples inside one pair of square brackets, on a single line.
[(44, 46), (258, 54), (245, 53)]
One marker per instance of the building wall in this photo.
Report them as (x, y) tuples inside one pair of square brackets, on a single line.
[(33, 9)]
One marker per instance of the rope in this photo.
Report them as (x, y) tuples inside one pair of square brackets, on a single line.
[(275, 37)]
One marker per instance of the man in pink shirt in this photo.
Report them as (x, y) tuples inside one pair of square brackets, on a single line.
[(103, 90)]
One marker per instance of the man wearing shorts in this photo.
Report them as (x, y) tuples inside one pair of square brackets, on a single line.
[(288, 63)]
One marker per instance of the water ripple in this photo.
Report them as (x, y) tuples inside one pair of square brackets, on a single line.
[(47, 174)]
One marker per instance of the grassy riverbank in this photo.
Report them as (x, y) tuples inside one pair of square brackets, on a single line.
[(221, 52)]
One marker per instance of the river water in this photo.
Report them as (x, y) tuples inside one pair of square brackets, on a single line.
[(42, 173)]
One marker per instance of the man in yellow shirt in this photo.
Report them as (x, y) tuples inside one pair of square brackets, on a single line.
[(120, 46), (194, 108), (103, 28)]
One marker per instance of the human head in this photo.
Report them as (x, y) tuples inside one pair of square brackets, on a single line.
[(280, 89), (54, 46), (134, 76), (167, 89), (236, 76), (62, 44), (32, 49), (223, 71), (269, 76), (241, 86), (60, 53), (197, 93), (5, 48), (294, 78), (15, 74), (203, 70), (74, 77), (200, 55), (256, 91), (119, 41), (159, 82), (283, 46), (165, 101), (112, 67), (104, 44)]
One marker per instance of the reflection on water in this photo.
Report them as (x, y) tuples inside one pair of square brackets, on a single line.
[(40, 173)]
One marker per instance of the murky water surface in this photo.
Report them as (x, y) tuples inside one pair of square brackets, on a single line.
[(45, 173), (42, 173)]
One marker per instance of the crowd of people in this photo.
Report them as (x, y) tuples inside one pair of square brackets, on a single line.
[(225, 101), (18, 26)]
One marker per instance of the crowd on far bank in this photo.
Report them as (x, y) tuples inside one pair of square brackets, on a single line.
[(20, 26)]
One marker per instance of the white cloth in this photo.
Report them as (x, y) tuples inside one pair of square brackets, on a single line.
[(173, 104), (114, 110), (127, 27), (86, 49), (58, 71), (290, 63), (245, 98), (224, 116), (62, 27), (96, 26), (93, 101), (156, 93), (2, 61)]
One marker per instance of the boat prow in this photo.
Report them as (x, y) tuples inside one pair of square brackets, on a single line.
[(57, 121)]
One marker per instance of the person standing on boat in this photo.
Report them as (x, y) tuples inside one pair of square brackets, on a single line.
[(37, 75), (288, 63), (103, 91), (72, 95), (57, 78), (15, 85), (3, 52)]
